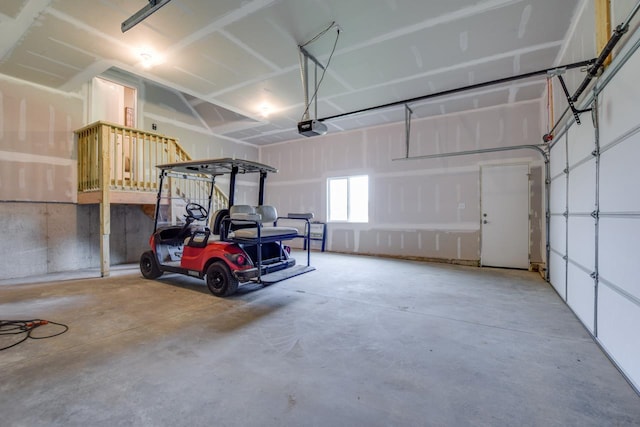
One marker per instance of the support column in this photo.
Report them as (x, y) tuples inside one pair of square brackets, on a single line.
[(105, 202)]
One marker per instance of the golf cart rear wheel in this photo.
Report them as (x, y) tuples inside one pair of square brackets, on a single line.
[(149, 266), (220, 281)]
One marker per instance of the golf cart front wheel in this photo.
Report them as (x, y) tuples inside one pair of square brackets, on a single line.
[(220, 281), (149, 266)]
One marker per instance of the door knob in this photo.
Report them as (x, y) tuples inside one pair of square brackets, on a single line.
[(485, 222)]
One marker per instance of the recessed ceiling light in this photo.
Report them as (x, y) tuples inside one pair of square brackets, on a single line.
[(265, 109), (148, 58)]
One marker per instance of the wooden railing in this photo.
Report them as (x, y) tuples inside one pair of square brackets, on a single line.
[(123, 161)]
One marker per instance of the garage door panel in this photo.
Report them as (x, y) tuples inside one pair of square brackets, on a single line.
[(581, 141), (619, 253), (582, 242), (581, 294), (618, 331), (557, 273), (620, 177), (558, 158), (558, 195), (558, 234), (582, 184)]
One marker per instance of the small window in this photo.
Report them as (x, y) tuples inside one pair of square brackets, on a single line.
[(348, 198)]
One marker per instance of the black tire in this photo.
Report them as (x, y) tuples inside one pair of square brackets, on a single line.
[(220, 281), (149, 266)]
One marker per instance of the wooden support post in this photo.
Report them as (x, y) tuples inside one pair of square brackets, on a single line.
[(603, 25), (105, 200)]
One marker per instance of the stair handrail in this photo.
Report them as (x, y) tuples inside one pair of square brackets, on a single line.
[(131, 156)]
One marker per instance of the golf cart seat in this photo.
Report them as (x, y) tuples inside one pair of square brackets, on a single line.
[(261, 227), (216, 221), (199, 238)]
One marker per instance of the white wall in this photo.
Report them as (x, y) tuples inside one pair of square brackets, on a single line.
[(418, 208), (595, 207)]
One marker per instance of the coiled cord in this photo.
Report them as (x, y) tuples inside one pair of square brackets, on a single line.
[(26, 327)]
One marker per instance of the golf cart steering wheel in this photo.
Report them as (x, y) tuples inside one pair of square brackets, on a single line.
[(195, 211)]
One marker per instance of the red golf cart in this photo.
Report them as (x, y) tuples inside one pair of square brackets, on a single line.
[(234, 244)]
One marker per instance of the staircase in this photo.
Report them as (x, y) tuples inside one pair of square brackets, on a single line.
[(117, 165)]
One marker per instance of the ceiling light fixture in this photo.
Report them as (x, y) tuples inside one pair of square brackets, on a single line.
[(142, 14), (148, 58), (265, 109)]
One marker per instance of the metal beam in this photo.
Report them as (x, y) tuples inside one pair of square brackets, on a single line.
[(537, 148), (407, 126), (306, 53), (142, 14), (463, 89)]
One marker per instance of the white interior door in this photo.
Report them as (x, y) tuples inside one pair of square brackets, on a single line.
[(505, 216), (107, 101)]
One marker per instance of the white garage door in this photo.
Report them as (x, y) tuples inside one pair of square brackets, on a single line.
[(595, 221)]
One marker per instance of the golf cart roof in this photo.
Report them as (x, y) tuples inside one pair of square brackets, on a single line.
[(217, 166)]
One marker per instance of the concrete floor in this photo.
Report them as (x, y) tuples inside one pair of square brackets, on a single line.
[(361, 341)]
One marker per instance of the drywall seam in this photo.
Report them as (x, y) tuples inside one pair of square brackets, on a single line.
[(181, 96), (55, 202), (296, 182), (182, 125), (451, 226), (15, 29), (14, 156), (89, 29), (456, 15), (460, 93), (575, 20), (16, 81), (246, 9)]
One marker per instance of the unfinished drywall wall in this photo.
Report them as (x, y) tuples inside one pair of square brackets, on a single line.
[(38, 180), (37, 152), (418, 208), (595, 225)]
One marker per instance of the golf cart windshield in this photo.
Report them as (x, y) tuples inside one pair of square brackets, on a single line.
[(179, 198)]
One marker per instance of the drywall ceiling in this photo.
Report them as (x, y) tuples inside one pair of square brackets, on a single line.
[(233, 59)]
